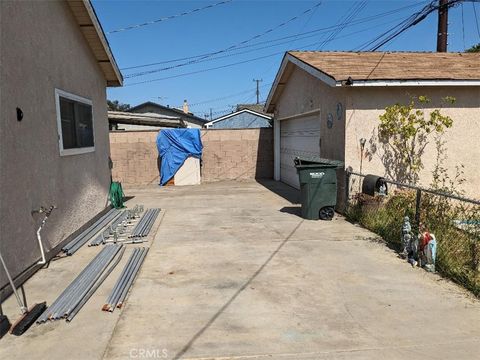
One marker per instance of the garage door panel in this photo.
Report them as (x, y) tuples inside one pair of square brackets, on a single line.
[(298, 137)]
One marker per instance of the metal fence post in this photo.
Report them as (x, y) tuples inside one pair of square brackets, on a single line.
[(347, 187), (417, 209)]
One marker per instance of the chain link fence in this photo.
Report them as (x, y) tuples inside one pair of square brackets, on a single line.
[(454, 220)]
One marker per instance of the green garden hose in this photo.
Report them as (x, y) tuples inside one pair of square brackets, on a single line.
[(116, 195)]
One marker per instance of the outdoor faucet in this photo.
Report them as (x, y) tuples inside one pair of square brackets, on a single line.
[(47, 212)]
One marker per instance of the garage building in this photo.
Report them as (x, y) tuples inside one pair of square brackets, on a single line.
[(325, 102)]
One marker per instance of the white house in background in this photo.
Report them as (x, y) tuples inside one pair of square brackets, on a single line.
[(242, 119)]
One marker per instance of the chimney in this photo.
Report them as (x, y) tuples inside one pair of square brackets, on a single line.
[(185, 106)]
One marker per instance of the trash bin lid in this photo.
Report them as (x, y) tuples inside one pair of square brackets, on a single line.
[(316, 161)]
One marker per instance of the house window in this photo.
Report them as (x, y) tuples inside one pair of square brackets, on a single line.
[(75, 123)]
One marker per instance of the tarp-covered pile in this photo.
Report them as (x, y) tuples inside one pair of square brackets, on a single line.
[(174, 147)]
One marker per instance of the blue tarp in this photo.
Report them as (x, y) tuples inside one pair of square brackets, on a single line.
[(174, 147)]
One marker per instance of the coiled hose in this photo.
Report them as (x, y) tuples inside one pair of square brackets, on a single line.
[(116, 195)]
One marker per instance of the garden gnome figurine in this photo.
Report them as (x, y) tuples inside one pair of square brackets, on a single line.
[(430, 252), (406, 235), (408, 242)]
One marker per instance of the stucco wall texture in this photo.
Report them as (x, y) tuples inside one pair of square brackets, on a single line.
[(361, 109), (365, 105), (38, 56), (304, 93), (227, 155)]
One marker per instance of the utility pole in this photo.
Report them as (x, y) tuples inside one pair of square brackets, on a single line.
[(442, 33), (210, 113), (258, 91)]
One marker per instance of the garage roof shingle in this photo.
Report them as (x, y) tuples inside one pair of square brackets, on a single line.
[(393, 65)]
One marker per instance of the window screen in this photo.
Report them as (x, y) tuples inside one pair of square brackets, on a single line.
[(77, 127)]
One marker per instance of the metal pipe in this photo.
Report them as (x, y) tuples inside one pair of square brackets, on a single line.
[(78, 298), (152, 221), (86, 281), (65, 291), (149, 219), (112, 228), (59, 303), (140, 229), (119, 280), (140, 224), (92, 232), (124, 280), (122, 274), (83, 233), (69, 298), (95, 287), (151, 216), (114, 300), (137, 226), (22, 306), (132, 278)]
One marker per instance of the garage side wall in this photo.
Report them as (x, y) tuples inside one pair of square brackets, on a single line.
[(43, 49), (365, 105), (312, 134)]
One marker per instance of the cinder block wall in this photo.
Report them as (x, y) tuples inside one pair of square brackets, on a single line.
[(237, 154), (232, 154), (134, 156)]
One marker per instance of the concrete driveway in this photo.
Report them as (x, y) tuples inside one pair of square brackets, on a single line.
[(235, 273)]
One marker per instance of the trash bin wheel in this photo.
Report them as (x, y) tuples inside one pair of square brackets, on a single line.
[(327, 213)]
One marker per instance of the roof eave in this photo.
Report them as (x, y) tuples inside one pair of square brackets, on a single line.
[(409, 82), (86, 17), (280, 82), (224, 117)]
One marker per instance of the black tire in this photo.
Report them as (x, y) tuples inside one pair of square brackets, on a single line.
[(326, 213)]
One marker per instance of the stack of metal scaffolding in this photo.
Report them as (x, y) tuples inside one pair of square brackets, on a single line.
[(125, 281), (71, 300), (145, 224), (118, 225), (119, 230), (93, 229)]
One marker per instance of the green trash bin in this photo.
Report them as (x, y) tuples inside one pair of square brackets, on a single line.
[(318, 186)]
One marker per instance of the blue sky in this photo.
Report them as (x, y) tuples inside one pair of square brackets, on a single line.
[(225, 25)]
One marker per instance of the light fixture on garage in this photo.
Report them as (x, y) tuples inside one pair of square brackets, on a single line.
[(349, 81)]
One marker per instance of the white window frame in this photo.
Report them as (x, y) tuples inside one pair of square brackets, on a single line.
[(76, 151)]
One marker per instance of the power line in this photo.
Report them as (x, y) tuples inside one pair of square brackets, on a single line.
[(398, 29), (313, 32), (244, 41), (131, 27), (205, 70), (147, 72), (346, 19), (476, 19), (246, 91), (245, 61), (406, 24)]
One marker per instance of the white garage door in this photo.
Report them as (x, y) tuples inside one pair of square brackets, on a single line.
[(298, 137)]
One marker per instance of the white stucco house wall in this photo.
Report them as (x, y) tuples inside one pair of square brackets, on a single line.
[(55, 66), (325, 102)]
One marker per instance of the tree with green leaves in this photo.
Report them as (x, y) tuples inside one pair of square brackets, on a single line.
[(116, 105), (474, 49), (404, 131)]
